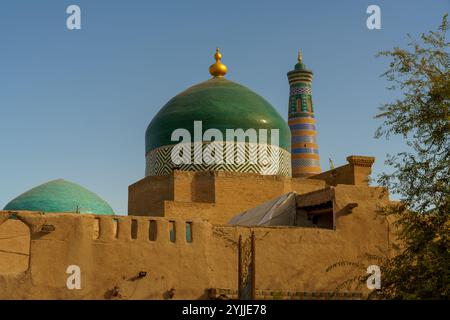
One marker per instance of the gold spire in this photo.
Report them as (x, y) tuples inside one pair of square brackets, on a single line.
[(218, 69), (299, 57)]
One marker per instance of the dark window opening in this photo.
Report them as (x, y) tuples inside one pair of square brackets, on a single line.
[(134, 229), (172, 231), (152, 231), (189, 232)]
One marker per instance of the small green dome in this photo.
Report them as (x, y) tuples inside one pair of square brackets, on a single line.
[(220, 104), (60, 196)]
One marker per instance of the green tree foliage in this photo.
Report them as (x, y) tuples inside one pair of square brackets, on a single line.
[(420, 268)]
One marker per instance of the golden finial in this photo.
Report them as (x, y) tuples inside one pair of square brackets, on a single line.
[(218, 69), (299, 57)]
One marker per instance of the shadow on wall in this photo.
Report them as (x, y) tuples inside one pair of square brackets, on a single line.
[(14, 247)]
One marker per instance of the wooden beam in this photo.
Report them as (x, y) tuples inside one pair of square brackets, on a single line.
[(320, 211)]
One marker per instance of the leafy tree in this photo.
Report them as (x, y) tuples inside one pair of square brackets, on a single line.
[(420, 269)]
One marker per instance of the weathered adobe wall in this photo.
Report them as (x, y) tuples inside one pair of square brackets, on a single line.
[(292, 259), (147, 196), (113, 259), (237, 195), (369, 224), (215, 196), (296, 259), (219, 196), (14, 246), (356, 172), (340, 175)]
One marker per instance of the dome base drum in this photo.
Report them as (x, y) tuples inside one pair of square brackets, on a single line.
[(273, 161)]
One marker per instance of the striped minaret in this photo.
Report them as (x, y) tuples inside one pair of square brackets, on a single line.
[(305, 151)]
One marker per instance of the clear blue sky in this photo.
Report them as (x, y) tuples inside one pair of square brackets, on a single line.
[(75, 104)]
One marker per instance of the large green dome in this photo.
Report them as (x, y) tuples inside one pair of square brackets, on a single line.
[(60, 196), (220, 104)]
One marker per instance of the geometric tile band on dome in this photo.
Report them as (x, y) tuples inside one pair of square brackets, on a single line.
[(277, 162)]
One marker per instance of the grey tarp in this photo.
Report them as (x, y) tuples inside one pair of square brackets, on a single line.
[(278, 212)]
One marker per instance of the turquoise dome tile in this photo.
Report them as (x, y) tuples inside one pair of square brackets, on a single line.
[(220, 104), (60, 196)]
